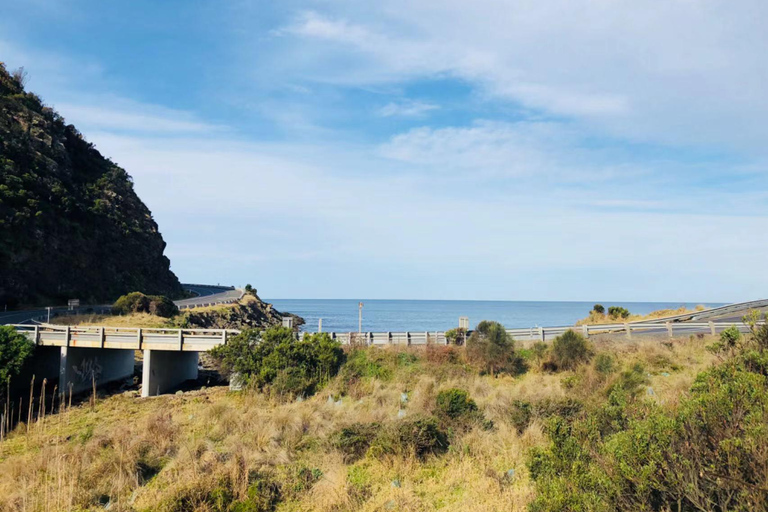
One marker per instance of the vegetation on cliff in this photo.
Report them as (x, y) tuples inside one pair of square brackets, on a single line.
[(71, 224)]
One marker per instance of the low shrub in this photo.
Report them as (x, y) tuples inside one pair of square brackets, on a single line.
[(15, 348), (456, 336), (491, 349), (275, 358), (263, 495), (419, 437), (617, 312), (524, 412), (599, 309), (605, 364), (455, 403), (137, 302), (705, 454), (354, 440), (569, 350)]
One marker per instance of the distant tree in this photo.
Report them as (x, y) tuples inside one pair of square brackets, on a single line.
[(250, 290), (599, 309), (490, 347), (137, 302), (15, 348)]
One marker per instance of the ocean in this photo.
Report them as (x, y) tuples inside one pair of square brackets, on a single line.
[(340, 315)]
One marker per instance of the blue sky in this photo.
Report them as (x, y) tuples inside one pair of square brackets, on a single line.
[(519, 149)]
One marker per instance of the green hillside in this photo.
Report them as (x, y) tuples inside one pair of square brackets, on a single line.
[(71, 224)]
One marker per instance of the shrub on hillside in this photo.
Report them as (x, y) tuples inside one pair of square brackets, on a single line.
[(569, 350), (456, 405), (705, 454), (492, 349), (420, 437), (599, 309), (275, 358), (618, 312), (137, 302), (15, 348), (354, 440)]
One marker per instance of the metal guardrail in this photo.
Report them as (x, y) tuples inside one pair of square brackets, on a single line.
[(200, 340)]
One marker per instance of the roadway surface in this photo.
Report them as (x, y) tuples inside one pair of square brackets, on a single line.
[(206, 294)]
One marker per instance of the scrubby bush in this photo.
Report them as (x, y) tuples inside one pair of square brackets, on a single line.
[(276, 359), (456, 336), (137, 302), (419, 437), (617, 312), (599, 309), (708, 453), (458, 412), (605, 364), (492, 349), (354, 440), (569, 350), (15, 348)]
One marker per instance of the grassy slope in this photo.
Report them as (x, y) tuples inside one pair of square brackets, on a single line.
[(70, 460), (598, 318)]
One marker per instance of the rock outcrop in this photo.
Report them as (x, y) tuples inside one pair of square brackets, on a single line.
[(249, 313), (71, 224)]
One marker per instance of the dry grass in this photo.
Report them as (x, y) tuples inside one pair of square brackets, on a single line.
[(169, 452), (133, 320)]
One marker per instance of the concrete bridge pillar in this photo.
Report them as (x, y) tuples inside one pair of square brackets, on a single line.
[(80, 367), (166, 369)]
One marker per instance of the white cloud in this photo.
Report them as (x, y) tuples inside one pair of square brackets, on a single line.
[(671, 72), (407, 109), (124, 115)]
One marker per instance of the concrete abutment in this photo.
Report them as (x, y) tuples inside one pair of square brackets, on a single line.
[(165, 369)]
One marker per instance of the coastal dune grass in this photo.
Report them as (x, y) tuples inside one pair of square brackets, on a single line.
[(211, 449)]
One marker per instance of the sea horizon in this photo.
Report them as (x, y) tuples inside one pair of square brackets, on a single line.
[(382, 315)]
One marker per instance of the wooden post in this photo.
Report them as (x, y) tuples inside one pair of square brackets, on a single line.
[(102, 337), (541, 334), (68, 335), (37, 334), (181, 339), (669, 329), (223, 336), (408, 338), (426, 338), (585, 330), (712, 328), (629, 331)]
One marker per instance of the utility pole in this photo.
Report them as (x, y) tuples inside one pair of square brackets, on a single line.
[(360, 317)]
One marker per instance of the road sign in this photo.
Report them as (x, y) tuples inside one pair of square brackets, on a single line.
[(73, 303)]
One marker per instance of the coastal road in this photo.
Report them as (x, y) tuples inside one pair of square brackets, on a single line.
[(206, 294)]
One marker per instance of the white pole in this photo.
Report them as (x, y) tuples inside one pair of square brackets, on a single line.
[(360, 317), (320, 325), (49, 314)]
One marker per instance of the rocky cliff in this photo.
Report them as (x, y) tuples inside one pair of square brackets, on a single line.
[(249, 313), (71, 225)]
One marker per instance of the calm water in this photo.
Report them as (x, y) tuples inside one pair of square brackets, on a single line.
[(439, 315)]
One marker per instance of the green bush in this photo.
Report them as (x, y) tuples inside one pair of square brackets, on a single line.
[(263, 495), (354, 440), (707, 453), (599, 309), (137, 302), (456, 336), (523, 412), (492, 349), (455, 403), (420, 437), (15, 348), (605, 364), (277, 359), (617, 312), (570, 349)]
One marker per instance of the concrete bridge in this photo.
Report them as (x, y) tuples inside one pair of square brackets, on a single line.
[(77, 356)]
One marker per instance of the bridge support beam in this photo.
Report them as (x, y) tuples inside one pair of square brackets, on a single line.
[(80, 367), (165, 369)]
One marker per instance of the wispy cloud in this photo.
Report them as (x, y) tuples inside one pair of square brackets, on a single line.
[(407, 109)]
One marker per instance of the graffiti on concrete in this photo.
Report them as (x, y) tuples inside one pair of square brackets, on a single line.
[(89, 370)]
